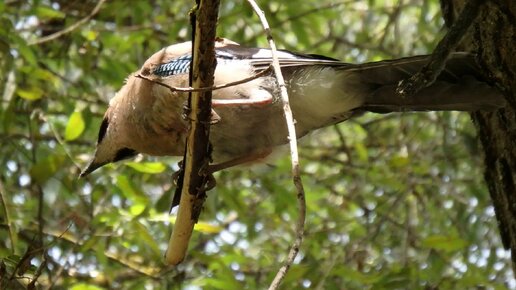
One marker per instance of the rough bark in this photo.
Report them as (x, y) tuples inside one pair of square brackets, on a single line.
[(493, 38), (197, 153)]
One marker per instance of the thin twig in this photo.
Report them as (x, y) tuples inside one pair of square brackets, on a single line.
[(57, 272), (392, 18), (77, 241), (57, 137), (296, 175), (7, 217), (35, 185), (326, 270), (4, 138), (70, 28), (39, 271), (206, 89)]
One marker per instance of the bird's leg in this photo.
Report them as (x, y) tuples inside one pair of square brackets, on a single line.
[(239, 160), (176, 175), (209, 182), (210, 169), (186, 112), (263, 100), (177, 178)]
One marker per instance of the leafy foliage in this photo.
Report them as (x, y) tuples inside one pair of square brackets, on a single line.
[(394, 201)]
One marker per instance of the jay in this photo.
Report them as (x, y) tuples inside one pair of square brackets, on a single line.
[(146, 117)]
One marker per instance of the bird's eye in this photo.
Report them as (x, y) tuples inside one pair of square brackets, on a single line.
[(103, 129), (124, 153)]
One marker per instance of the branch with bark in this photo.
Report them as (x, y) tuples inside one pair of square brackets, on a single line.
[(294, 156), (196, 160), (492, 38)]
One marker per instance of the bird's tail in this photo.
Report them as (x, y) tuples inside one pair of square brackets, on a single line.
[(457, 88)]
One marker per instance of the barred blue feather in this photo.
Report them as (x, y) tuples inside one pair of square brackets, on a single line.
[(181, 65), (177, 66)]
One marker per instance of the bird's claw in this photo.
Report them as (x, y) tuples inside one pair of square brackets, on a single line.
[(209, 182), (176, 175)]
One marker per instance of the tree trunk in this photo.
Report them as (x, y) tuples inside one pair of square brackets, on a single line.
[(493, 38)]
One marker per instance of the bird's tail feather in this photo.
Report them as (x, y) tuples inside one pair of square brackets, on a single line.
[(466, 95), (457, 88)]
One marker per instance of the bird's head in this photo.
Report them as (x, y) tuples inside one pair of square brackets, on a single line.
[(110, 147)]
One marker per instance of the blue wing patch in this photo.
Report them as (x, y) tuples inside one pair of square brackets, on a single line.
[(181, 65), (177, 66)]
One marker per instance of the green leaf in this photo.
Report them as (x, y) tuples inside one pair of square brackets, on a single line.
[(353, 275), (445, 243), (75, 126), (200, 226), (90, 243), (361, 151), (296, 273), (129, 191), (145, 236), (26, 52), (207, 228), (147, 167), (46, 168), (90, 35), (48, 12), (84, 286), (136, 209), (395, 279), (223, 282), (434, 272), (31, 94), (399, 161)]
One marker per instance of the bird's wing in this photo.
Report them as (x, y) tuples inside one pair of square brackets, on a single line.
[(258, 58)]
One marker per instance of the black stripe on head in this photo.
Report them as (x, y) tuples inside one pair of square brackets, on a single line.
[(124, 153), (103, 129)]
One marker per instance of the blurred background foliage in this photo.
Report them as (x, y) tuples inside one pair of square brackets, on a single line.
[(394, 201)]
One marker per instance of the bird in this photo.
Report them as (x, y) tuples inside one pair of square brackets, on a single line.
[(146, 117)]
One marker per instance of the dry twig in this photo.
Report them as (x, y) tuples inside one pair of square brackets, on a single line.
[(296, 175), (205, 89), (70, 28)]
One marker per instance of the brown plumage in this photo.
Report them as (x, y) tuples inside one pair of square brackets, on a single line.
[(145, 117)]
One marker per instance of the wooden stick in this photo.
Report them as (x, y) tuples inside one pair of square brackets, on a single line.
[(197, 146), (296, 175)]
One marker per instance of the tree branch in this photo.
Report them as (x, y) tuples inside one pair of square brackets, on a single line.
[(197, 151), (7, 217), (296, 175), (70, 28)]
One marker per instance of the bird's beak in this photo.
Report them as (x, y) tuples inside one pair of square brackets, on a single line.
[(92, 166)]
